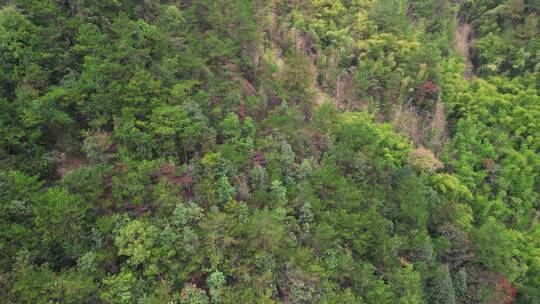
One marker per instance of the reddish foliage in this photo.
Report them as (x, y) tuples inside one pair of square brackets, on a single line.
[(136, 210), (429, 87), (186, 194), (318, 140), (112, 148), (505, 287), (489, 166), (198, 280), (242, 111), (427, 90), (259, 158), (488, 163), (186, 180), (168, 171)]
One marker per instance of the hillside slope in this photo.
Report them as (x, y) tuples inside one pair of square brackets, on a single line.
[(269, 151)]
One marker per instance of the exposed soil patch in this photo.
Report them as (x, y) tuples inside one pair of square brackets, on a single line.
[(424, 128), (439, 125), (463, 41), (68, 163), (345, 88), (320, 95)]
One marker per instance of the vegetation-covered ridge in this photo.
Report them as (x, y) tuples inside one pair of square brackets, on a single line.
[(269, 151)]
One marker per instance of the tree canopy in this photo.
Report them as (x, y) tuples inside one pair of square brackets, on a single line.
[(269, 151)]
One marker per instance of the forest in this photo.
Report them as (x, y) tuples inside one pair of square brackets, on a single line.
[(270, 151)]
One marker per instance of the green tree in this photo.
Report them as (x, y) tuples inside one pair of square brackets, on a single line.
[(193, 295), (60, 220), (215, 282), (120, 288), (438, 286)]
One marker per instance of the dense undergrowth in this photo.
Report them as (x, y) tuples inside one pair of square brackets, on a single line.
[(269, 151)]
